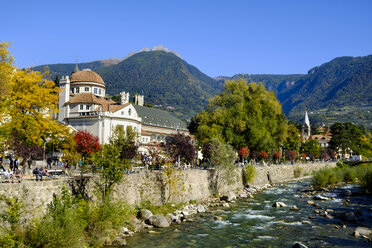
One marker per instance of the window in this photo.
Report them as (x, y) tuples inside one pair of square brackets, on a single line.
[(129, 111), (95, 90), (81, 107), (77, 90), (122, 113), (87, 107), (86, 89), (100, 91)]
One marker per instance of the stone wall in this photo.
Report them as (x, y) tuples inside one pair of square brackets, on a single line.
[(196, 185)]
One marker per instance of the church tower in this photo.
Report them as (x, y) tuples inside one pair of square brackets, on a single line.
[(306, 127)]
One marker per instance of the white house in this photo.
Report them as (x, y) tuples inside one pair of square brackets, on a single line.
[(83, 105)]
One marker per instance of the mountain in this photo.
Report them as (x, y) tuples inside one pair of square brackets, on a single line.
[(344, 81), (164, 79), (66, 69), (276, 83)]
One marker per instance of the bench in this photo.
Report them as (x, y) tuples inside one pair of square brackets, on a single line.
[(55, 172)]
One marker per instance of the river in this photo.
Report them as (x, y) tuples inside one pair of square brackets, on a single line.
[(255, 223)]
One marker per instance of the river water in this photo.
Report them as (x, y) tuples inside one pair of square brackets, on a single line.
[(255, 223)]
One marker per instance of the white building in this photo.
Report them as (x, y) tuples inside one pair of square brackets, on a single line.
[(83, 105)]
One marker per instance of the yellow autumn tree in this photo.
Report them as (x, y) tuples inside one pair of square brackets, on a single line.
[(27, 105)]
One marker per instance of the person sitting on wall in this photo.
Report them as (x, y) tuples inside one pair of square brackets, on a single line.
[(37, 172), (18, 175), (9, 175), (44, 171)]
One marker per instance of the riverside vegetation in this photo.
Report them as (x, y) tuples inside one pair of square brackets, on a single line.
[(343, 173)]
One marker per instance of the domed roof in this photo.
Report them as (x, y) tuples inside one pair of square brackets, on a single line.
[(86, 75)]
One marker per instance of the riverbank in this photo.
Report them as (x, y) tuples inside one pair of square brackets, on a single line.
[(102, 221), (332, 221)]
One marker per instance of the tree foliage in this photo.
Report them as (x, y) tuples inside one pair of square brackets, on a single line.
[(312, 148), (293, 138), (86, 143), (27, 104), (243, 115), (125, 141), (180, 145), (346, 136)]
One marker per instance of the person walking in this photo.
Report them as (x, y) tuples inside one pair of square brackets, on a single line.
[(11, 163), (16, 163), (29, 162)]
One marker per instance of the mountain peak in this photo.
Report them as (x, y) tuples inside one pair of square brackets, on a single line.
[(155, 48)]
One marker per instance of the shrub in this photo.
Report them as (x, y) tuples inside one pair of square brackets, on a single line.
[(341, 165), (349, 175), (298, 172), (59, 227), (364, 174), (326, 177), (249, 173)]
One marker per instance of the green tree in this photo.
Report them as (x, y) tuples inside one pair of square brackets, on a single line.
[(222, 158), (312, 148), (293, 138), (109, 167), (111, 161), (243, 115), (346, 137)]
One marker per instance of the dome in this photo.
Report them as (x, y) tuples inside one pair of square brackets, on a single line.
[(86, 76)]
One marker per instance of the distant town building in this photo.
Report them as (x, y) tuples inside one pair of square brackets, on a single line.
[(83, 106), (323, 139)]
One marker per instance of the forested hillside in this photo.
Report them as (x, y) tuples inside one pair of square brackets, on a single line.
[(344, 81), (164, 79)]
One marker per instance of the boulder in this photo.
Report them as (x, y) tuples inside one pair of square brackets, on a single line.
[(279, 205), (225, 204), (158, 221), (294, 208), (119, 242), (356, 234), (321, 198), (310, 202), (200, 209), (363, 230), (171, 218), (243, 195), (144, 214), (230, 196), (217, 217), (346, 192), (299, 245), (349, 217)]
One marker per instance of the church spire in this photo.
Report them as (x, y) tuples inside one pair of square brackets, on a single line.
[(306, 127), (76, 69), (307, 121)]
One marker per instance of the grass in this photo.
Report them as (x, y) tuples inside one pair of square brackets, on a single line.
[(162, 210), (343, 173), (249, 173)]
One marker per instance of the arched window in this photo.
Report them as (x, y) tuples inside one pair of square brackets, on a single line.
[(129, 111)]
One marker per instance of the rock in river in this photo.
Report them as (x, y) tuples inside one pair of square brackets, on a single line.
[(321, 198), (158, 221), (144, 214), (279, 205), (299, 245)]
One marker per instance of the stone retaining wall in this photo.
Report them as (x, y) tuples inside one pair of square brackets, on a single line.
[(191, 185)]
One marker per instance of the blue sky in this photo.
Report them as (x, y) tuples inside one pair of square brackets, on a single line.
[(218, 37)]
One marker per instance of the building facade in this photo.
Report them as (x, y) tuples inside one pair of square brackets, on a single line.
[(83, 105)]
